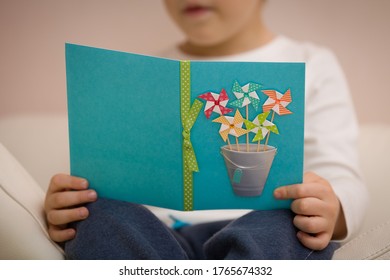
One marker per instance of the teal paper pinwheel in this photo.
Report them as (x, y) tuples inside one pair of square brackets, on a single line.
[(261, 126), (246, 95)]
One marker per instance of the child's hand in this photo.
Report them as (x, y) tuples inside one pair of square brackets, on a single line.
[(62, 205), (319, 216)]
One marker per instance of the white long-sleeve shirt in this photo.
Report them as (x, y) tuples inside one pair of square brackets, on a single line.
[(331, 129)]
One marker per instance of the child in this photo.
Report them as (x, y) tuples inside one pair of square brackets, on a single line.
[(328, 205)]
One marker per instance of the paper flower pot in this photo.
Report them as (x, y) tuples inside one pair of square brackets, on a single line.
[(248, 171)]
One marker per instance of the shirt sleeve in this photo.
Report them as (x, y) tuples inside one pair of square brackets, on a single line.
[(331, 135)]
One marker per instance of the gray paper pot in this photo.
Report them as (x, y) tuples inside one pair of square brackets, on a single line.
[(248, 171)]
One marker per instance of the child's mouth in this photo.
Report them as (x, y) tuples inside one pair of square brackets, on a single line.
[(196, 10)]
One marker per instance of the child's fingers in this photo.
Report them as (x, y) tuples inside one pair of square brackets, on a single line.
[(314, 242), (61, 182), (65, 216), (67, 199), (311, 224), (296, 191), (309, 206), (311, 177), (59, 234), (313, 185)]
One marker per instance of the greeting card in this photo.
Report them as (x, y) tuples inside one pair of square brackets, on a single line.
[(185, 135)]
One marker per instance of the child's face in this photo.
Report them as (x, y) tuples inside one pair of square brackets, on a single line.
[(211, 22)]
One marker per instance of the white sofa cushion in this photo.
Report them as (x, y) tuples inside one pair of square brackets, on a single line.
[(370, 245), (374, 154), (23, 232), (374, 240)]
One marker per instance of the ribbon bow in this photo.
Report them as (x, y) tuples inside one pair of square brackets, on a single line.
[(188, 150)]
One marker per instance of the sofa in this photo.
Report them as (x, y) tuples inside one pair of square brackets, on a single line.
[(34, 147)]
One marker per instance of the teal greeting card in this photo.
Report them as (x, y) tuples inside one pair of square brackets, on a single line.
[(185, 135)]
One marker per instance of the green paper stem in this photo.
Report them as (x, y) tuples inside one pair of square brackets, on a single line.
[(266, 140)]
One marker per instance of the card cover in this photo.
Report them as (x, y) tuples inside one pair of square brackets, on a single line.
[(150, 130)]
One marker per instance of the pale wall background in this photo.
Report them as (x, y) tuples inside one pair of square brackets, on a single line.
[(32, 65), (33, 32)]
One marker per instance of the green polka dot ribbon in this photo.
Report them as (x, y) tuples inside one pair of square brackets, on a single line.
[(189, 115)]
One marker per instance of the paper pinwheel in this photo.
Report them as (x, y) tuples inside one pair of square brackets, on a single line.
[(261, 126), (231, 125), (215, 103), (246, 95), (277, 102)]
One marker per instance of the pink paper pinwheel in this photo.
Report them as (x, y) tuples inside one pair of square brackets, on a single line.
[(215, 103), (277, 102), (231, 125)]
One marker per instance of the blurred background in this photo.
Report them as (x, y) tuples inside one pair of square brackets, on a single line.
[(32, 61)]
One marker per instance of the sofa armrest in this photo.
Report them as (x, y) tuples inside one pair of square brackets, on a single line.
[(23, 233), (369, 245)]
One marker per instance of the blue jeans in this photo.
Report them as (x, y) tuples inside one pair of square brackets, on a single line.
[(122, 230)]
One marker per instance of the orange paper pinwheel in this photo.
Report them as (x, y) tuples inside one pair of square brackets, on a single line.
[(277, 102)]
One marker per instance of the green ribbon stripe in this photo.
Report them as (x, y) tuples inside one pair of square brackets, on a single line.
[(189, 115)]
